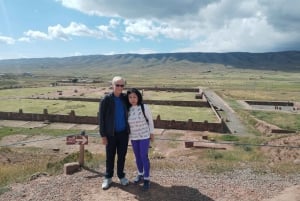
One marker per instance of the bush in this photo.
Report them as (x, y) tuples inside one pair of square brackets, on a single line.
[(229, 138)]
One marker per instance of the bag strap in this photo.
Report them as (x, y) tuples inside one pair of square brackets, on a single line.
[(143, 110)]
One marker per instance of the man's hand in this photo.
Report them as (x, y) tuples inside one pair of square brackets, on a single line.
[(104, 140)]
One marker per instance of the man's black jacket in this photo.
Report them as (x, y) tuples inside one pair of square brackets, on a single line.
[(107, 112)]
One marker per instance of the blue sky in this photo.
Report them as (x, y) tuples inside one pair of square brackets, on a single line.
[(62, 28)]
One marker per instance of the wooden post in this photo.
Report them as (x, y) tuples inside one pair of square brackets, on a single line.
[(82, 140), (81, 155), (81, 152)]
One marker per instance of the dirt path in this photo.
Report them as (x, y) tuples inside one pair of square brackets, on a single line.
[(289, 194)]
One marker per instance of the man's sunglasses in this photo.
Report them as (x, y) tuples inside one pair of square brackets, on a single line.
[(119, 85)]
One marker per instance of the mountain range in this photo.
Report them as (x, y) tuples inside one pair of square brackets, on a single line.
[(283, 61)]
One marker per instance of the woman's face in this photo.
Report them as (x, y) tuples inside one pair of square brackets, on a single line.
[(133, 99)]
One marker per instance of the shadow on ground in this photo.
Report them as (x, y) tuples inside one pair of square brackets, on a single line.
[(156, 191), (162, 193)]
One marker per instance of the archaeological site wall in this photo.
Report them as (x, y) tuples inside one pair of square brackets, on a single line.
[(158, 123), (73, 118)]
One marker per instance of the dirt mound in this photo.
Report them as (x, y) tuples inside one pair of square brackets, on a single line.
[(289, 153), (264, 127)]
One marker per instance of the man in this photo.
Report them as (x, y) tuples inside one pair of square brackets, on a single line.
[(114, 131)]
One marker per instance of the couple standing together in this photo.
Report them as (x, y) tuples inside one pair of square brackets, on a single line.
[(124, 117)]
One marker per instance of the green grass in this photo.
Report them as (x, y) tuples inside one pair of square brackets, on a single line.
[(221, 161), (91, 161), (183, 113), (164, 95), (6, 131), (81, 108), (258, 85), (35, 162), (283, 120), (28, 92), (229, 138), (172, 143)]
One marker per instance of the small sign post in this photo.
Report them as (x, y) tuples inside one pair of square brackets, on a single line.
[(82, 140)]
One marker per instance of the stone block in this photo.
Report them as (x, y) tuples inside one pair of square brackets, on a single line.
[(70, 168), (188, 144)]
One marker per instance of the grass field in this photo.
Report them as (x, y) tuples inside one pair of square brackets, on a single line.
[(53, 106), (91, 109), (230, 83)]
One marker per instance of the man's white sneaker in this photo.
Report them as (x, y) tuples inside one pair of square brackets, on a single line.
[(106, 183), (124, 181)]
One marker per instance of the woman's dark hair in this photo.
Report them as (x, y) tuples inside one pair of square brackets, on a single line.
[(138, 93)]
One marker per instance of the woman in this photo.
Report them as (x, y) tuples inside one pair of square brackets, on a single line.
[(141, 132)]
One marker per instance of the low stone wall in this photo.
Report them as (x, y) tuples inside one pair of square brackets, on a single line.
[(72, 118), (178, 103), (196, 90), (275, 103), (225, 128), (189, 125), (282, 131), (154, 102), (80, 99)]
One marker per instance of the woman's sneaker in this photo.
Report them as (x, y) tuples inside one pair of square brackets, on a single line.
[(138, 179), (146, 185)]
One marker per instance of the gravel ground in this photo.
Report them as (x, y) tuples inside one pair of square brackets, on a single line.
[(185, 180), (239, 185)]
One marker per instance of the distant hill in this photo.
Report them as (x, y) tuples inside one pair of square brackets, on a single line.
[(283, 61)]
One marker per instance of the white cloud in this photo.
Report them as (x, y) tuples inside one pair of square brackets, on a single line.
[(76, 54), (144, 51), (282, 14), (209, 25), (132, 9), (106, 29), (113, 23), (7, 40), (24, 39), (129, 38), (58, 32), (142, 27), (109, 53), (236, 35), (153, 30), (37, 35), (73, 29)]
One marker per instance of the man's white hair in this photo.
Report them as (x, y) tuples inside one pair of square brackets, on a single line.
[(116, 79)]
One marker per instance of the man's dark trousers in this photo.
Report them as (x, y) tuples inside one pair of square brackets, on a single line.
[(117, 143)]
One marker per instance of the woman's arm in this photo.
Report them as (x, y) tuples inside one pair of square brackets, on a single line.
[(149, 117)]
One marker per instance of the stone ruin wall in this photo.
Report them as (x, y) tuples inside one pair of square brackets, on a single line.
[(158, 123), (73, 118), (196, 90), (270, 103), (153, 102)]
